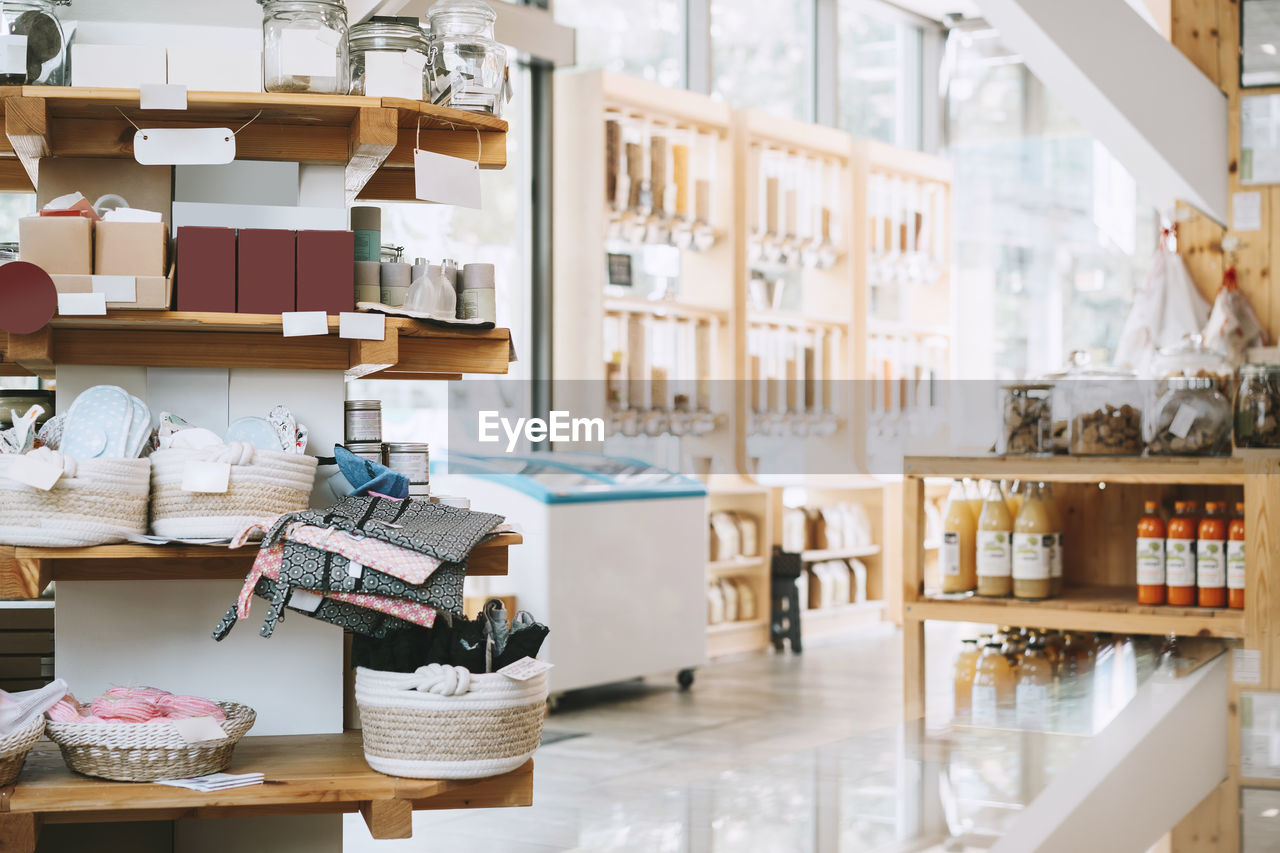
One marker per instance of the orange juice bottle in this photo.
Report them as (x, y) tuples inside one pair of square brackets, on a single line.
[(1180, 555), (1151, 534), (1211, 557), (966, 667), (1235, 559), (993, 686)]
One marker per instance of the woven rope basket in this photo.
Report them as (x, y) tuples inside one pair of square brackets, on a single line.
[(491, 729), (145, 752), (102, 501), (14, 748), (263, 484)]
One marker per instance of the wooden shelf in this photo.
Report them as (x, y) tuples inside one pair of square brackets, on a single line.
[(731, 638), (25, 572), (665, 308), (737, 565), (818, 555), (305, 774), (824, 621), (373, 138), (411, 349), (1084, 608), (1083, 469), (794, 320)]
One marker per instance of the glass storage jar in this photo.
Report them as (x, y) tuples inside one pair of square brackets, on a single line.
[(1026, 420), (1106, 413), (1191, 357), (466, 68), (1257, 410), (388, 58), (1191, 418), (32, 47), (304, 46)]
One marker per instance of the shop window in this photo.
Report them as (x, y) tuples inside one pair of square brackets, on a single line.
[(762, 55), (643, 38), (879, 85)]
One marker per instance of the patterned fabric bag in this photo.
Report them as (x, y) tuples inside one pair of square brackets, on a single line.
[(305, 567), (359, 620)]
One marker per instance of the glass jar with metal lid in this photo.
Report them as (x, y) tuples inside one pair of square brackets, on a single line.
[(370, 450), (411, 459), (1191, 418), (466, 68), (388, 58), (1026, 420), (32, 47), (363, 420), (1257, 409), (304, 46)]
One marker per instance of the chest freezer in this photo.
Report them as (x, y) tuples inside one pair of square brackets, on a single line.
[(613, 560)]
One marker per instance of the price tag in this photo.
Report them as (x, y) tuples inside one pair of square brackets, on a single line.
[(362, 327), (393, 75), (1246, 666), (81, 304), (1183, 421), (525, 669), (198, 729), (299, 324), (184, 146), (354, 569), (116, 288), (305, 600), (36, 470), (446, 180), (212, 478), (162, 96)]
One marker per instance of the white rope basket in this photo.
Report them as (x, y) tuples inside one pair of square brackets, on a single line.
[(95, 502), (263, 484), (443, 722)]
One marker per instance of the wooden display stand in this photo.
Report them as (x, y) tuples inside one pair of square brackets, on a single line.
[(732, 494), (308, 774)]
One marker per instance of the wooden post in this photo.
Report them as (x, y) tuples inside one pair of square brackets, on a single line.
[(388, 818), (913, 660)]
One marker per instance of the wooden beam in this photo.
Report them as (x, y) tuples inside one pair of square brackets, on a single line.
[(26, 124), (388, 818), (372, 137), (371, 356), (487, 147), (18, 832), (14, 177)]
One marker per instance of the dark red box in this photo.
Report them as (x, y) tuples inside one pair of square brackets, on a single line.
[(326, 271), (265, 271), (205, 276)]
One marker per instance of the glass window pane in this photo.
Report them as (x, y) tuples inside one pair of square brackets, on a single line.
[(762, 55), (644, 38), (877, 56)]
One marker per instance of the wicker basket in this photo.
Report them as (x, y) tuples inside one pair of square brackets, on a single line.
[(145, 752), (14, 748), (263, 484), (96, 502), (492, 728)]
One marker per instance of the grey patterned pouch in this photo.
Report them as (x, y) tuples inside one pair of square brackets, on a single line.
[(309, 568), (345, 615)]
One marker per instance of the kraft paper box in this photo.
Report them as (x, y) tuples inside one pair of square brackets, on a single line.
[(57, 244), (150, 292), (145, 187), (130, 248)]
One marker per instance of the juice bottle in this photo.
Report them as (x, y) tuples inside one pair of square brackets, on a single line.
[(1015, 492), (966, 666), (1034, 687), (1235, 559), (973, 494), (1180, 555), (993, 685), (1150, 555), (1033, 537), (1055, 522), (959, 553), (1211, 556), (995, 556)]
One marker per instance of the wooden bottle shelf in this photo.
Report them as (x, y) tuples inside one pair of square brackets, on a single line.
[(373, 138), (1084, 469), (410, 349), (25, 572), (305, 774)]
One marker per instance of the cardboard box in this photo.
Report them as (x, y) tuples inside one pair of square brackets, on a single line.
[(144, 187), (326, 271), (130, 248), (205, 269), (117, 66), (214, 69), (57, 244), (149, 292), (265, 271)]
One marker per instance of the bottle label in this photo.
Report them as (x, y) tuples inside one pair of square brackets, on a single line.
[(1211, 563), (983, 707), (1056, 566), (994, 554), (1235, 564), (949, 554), (1033, 705), (1180, 562), (1032, 556), (1150, 562)]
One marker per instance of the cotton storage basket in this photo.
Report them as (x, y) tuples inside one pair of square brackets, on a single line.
[(146, 752), (95, 502), (14, 748), (263, 484), (492, 728)]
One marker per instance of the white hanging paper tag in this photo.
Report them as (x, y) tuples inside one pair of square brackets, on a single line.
[(198, 729), (361, 326), (305, 600), (162, 96), (299, 324), (13, 54), (36, 470), (1183, 420), (116, 288), (525, 668), (212, 478), (446, 180), (81, 304), (309, 53), (184, 146), (354, 569)]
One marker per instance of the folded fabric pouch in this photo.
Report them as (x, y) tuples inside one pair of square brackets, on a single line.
[(445, 532), (349, 617), (410, 566), (309, 568)]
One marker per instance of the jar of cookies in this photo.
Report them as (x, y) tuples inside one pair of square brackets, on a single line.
[(1191, 357), (1106, 413), (1257, 410), (1191, 418), (1026, 420)]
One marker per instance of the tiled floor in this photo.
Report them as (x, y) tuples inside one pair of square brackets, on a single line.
[(769, 753)]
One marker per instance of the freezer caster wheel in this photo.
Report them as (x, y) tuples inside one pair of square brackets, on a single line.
[(685, 679)]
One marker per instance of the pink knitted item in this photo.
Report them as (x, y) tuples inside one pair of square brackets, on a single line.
[(132, 705)]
